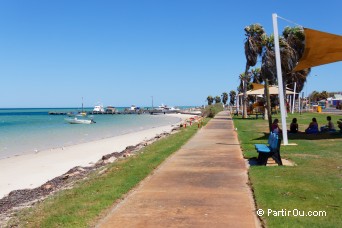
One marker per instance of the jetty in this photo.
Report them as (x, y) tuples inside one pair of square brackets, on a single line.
[(137, 111)]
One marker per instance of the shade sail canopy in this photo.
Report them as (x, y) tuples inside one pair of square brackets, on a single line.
[(257, 86), (272, 89), (320, 48)]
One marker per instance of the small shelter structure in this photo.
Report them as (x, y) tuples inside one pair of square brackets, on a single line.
[(273, 90)]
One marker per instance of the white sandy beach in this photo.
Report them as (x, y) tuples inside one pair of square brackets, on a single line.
[(33, 170)]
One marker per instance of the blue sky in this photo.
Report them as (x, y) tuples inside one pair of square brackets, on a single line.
[(53, 53)]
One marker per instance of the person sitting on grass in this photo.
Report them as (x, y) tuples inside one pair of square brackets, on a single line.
[(294, 126), (329, 127), (275, 127), (313, 127)]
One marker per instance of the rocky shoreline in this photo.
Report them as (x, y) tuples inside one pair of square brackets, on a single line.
[(19, 199)]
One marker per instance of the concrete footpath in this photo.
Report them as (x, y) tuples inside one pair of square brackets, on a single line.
[(204, 184)]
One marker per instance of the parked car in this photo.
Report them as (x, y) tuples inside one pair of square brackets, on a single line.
[(322, 104)]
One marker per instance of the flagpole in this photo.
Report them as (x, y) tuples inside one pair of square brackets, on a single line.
[(280, 79)]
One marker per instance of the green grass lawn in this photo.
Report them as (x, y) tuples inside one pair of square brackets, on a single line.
[(313, 184), (90, 199)]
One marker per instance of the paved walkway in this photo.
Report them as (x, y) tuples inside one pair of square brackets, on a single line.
[(204, 184)]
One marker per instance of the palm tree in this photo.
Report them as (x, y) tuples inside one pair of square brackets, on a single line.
[(232, 95), (295, 37), (244, 79), (217, 99), (299, 77), (224, 98), (256, 75), (292, 46), (259, 44), (210, 100), (268, 72), (253, 48)]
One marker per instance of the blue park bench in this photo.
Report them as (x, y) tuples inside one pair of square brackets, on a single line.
[(270, 150)]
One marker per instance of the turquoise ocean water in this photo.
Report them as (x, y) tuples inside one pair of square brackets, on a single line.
[(25, 131)]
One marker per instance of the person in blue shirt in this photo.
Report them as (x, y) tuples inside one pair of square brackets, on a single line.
[(313, 127)]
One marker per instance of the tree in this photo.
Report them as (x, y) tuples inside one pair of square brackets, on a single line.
[(210, 100), (217, 99), (292, 46), (224, 98), (324, 95), (295, 37), (268, 72), (314, 96), (244, 79), (253, 48), (317, 96), (299, 78), (256, 75), (232, 95)]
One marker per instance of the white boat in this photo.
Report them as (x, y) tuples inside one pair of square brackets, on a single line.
[(167, 108), (76, 120), (98, 109), (161, 108), (174, 109), (164, 109), (133, 108)]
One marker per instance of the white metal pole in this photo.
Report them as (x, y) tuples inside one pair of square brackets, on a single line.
[(294, 97), (238, 102), (280, 79)]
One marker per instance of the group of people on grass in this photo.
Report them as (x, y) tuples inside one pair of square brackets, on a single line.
[(312, 128)]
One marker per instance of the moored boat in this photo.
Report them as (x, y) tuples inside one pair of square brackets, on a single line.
[(111, 110), (76, 120), (163, 109), (98, 109)]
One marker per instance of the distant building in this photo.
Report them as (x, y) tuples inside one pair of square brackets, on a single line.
[(337, 99)]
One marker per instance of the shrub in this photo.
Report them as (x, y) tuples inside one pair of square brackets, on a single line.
[(211, 110)]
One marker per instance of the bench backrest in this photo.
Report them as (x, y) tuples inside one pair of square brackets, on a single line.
[(274, 142), (270, 137)]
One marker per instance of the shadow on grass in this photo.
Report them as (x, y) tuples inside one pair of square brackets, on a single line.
[(247, 118), (304, 136), (253, 161)]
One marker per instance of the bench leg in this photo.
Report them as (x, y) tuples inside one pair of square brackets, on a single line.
[(262, 158), (277, 158)]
